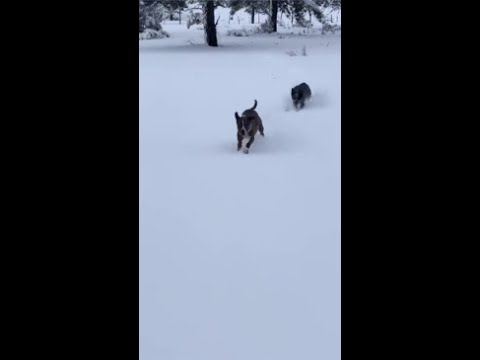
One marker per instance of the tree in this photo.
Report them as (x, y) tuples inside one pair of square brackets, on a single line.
[(141, 15), (295, 9), (151, 14), (210, 26), (174, 6), (298, 8), (251, 6), (208, 7), (273, 16), (269, 7)]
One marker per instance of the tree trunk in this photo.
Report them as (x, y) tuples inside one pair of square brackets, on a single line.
[(210, 28), (253, 14), (273, 18)]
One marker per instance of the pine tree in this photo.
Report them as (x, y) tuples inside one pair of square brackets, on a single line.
[(174, 6), (151, 14), (273, 16), (208, 7), (250, 6), (210, 26)]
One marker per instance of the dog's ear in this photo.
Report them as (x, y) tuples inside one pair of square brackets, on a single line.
[(239, 125)]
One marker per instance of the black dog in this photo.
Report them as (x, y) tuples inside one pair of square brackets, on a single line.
[(247, 126), (300, 94)]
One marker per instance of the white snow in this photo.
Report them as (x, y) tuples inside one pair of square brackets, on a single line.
[(239, 253)]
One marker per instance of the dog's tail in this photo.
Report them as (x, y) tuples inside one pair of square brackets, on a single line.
[(254, 106)]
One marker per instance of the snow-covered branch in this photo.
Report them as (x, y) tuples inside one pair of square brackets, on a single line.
[(311, 4)]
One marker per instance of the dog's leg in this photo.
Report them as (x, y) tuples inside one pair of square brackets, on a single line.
[(250, 142), (239, 139), (260, 128)]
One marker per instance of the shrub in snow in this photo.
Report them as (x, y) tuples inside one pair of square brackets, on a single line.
[(152, 34), (264, 27), (238, 33), (303, 52), (194, 18), (151, 14), (330, 28)]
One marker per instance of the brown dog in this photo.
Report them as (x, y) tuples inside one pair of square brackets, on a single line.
[(247, 126)]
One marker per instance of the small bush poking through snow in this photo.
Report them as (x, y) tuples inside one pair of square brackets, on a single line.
[(263, 28), (238, 33), (330, 28), (303, 52), (194, 18), (148, 34)]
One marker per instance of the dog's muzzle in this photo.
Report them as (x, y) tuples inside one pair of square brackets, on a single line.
[(244, 131)]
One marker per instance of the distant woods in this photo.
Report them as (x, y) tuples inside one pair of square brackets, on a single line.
[(153, 12)]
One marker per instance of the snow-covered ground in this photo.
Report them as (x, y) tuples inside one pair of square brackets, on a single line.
[(239, 254)]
